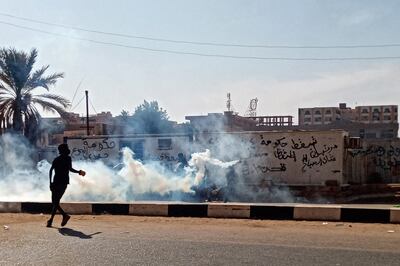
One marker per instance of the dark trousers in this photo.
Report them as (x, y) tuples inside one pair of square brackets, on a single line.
[(56, 194)]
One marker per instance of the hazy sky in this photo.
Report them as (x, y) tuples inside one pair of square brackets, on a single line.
[(121, 78)]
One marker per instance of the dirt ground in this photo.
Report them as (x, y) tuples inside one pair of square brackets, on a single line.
[(9, 219)]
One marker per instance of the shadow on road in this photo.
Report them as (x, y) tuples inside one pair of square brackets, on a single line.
[(71, 232)]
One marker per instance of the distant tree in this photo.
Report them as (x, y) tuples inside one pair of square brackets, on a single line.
[(18, 80), (150, 118), (124, 115)]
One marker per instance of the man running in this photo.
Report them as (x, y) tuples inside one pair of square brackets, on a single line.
[(62, 165)]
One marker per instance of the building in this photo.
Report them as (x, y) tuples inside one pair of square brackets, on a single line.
[(217, 122), (371, 122), (54, 129)]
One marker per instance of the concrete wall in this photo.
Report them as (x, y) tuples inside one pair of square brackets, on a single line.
[(296, 157), (146, 147), (376, 161)]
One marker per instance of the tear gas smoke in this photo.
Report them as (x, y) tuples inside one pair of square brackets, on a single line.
[(20, 182), (133, 180)]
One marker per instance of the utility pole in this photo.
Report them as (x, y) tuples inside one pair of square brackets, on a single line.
[(87, 113)]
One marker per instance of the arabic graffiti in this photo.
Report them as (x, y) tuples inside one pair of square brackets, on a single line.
[(310, 162), (312, 153), (162, 157), (266, 169), (385, 158), (279, 155), (377, 150), (97, 149)]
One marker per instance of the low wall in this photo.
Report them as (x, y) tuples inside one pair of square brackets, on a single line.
[(311, 212)]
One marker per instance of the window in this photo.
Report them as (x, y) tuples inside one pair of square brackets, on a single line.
[(307, 112), (376, 110), (307, 119), (387, 110), (317, 112), (387, 117), (376, 118), (328, 118), (135, 145), (362, 133), (387, 133), (328, 112), (317, 119), (364, 111), (165, 144)]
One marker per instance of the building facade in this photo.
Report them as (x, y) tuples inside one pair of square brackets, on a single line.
[(370, 122)]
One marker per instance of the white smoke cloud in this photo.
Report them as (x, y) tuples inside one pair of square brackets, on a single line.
[(20, 182)]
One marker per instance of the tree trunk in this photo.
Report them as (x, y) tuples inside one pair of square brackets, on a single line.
[(17, 116)]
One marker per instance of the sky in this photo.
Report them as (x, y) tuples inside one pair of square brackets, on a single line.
[(119, 77)]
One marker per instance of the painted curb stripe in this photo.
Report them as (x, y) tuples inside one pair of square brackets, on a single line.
[(187, 210), (347, 214), (365, 215), (10, 207), (36, 207), (272, 212), (317, 213), (228, 211), (77, 208), (395, 215), (148, 209), (110, 208)]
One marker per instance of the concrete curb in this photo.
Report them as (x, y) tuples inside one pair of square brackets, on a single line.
[(310, 212), (11, 207)]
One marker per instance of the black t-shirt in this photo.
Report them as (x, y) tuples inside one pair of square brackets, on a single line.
[(62, 166)]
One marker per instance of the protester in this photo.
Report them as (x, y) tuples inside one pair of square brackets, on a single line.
[(61, 165)]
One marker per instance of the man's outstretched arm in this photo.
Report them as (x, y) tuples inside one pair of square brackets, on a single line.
[(72, 169)]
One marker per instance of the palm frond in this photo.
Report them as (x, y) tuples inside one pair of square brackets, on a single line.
[(32, 113), (6, 107), (56, 98), (37, 75), (49, 106), (44, 82), (14, 64), (6, 95), (6, 79), (31, 59)]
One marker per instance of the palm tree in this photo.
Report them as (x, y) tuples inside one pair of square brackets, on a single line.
[(18, 81)]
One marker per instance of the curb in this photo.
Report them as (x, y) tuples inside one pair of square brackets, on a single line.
[(309, 212)]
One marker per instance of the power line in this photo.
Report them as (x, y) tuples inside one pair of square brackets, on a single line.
[(78, 103), (386, 45), (94, 109), (203, 54), (77, 88)]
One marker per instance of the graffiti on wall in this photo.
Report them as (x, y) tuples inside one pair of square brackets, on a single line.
[(309, 153), (385, 158), (94, 149), (267, 154)]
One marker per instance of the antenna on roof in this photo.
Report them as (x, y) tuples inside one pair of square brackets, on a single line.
[(252, 110), (228, 101)]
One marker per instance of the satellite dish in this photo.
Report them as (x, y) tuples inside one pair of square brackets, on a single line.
[(253, 104)]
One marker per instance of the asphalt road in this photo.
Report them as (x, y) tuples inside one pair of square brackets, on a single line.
[(128, 240)]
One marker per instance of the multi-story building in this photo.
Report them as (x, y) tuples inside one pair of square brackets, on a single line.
[(375, 121), (376, 114)]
